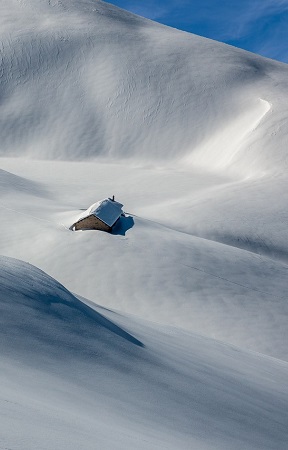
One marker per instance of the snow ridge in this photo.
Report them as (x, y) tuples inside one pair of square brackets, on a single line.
[(85, 80), (66, 378), (192, 135)]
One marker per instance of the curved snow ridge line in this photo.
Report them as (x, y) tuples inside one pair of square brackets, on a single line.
[(220, 243), (219, 151), (264, 108), (32, 289), (159, 107), (106, 323), (267, 106), (257, 246), (40, 219), (266, 253), (234, 282)]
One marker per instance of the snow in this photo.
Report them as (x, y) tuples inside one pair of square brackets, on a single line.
[(107, 210), (100, 82), (188, 348), (163, 269), (69, 379)]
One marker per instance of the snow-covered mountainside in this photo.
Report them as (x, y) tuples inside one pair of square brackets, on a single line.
[(191, 136), (81, 79), (71, 378)]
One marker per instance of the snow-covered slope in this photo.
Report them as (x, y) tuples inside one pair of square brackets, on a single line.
[(160, 271), (83, 79), (87, 80), (191, 136), (73, 379)]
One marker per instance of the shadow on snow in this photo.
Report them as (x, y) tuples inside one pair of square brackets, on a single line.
[(122, 225)]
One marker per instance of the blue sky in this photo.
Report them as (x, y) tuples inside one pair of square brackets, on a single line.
[(260, 26)]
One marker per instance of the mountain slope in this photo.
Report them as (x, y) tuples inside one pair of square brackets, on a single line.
[(160, 271), (84, 79), (191, 136), (67, 380)]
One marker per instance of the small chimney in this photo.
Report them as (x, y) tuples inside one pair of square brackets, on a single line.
[(113, 199)]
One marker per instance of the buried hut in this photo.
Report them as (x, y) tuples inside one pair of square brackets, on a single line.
[(102, 215)]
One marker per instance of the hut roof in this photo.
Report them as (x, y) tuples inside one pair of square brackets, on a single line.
[(106, 210)]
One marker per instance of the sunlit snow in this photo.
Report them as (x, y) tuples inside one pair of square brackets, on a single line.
[(171, 332)]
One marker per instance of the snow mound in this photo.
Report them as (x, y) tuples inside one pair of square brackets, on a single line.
[(10, 183), (38, 313), (84, 80), (66, 378), (166, 267)]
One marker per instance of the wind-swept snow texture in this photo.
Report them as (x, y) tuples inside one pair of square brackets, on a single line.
[(162, 269), (84, 79), (71, 378), (192, 136)]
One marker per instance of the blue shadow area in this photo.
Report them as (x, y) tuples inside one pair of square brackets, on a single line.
[(122, 225)]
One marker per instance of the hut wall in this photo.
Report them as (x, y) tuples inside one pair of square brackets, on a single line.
[(91, 223)]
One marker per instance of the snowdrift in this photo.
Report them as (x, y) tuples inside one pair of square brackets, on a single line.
[(65, 377), (38, 314), (87, 81), (162, 269), (192, 135), (83, 80)]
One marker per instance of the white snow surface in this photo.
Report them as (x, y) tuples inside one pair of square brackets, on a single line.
[(192, 136), (107, 210), (84, 79), (72, 378)]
